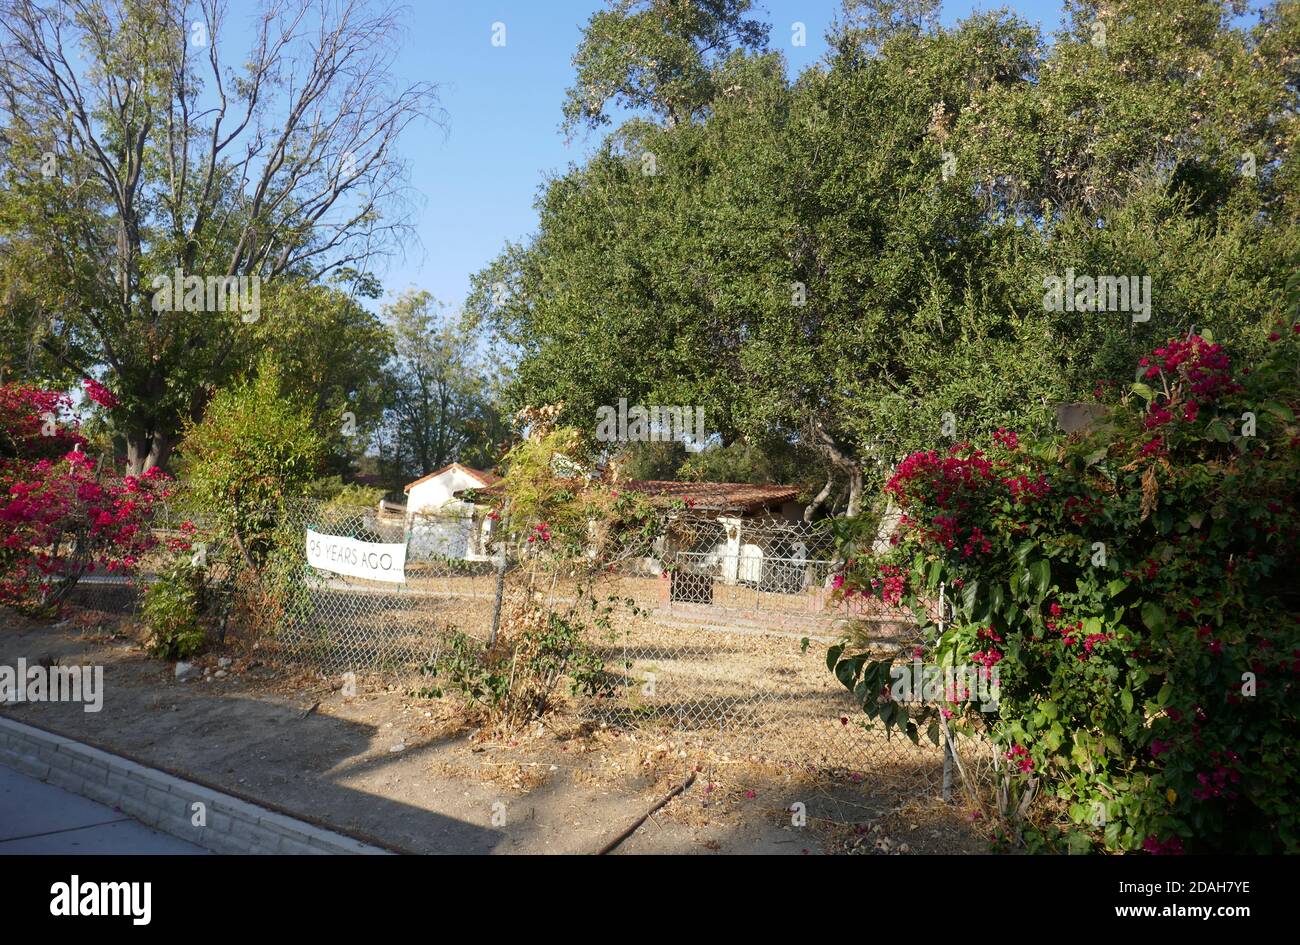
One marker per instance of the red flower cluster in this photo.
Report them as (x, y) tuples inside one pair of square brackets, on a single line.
[(890, 585), (1206, 367), (948, 477), (61, 515), (99, 393), (1020, 755), (1023, 489), (1091, 641), (30, 426), (1081, 509), (57, 518), (1207, 634), (1171, 847), (1214, 783), (1202, 372), (1153, 447), (1071, 633), (976, 543)]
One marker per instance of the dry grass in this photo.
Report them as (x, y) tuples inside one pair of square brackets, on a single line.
[(736, 693), (732, 694)]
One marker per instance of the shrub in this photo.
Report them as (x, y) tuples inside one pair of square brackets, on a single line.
[(516, 679), (172, 606), (337, 494), (254, 450), (254, 453), (1135, 585), (562, 521)]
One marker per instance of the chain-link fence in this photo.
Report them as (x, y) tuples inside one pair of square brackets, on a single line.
[(718, 634)]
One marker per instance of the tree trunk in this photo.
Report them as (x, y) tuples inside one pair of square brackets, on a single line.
[(826, 443), (820, 499), (146, 450), (855, 491)]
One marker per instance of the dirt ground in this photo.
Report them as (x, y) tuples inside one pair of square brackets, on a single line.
[(409, 774)]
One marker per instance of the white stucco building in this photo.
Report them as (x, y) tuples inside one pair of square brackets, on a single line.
[(443, 526)]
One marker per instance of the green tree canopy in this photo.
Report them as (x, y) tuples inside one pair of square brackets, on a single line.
[(855, 261), (440, 398), (139, 140)]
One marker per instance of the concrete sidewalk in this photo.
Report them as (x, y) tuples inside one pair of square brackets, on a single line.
[(36, 817)]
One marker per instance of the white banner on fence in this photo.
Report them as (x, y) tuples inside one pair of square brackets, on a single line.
[(364, 559)]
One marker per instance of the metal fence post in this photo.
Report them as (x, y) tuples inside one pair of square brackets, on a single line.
[(496, 604), (947, 732), (501, 581)]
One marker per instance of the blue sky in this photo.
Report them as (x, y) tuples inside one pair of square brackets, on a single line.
[(477, 179)]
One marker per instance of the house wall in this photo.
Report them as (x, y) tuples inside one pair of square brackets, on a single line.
[(440, 525), (436, 492)]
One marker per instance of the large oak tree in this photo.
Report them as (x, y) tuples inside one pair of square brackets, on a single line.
[(139, 138), (854, 261)]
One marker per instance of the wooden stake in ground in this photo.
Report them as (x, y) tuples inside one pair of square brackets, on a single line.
[(613, 844)]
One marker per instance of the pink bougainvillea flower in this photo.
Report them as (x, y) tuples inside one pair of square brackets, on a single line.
[(1019, 755), (99, 393), (1170, 847)]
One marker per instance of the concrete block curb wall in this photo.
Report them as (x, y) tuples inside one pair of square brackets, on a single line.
[(163, 801)]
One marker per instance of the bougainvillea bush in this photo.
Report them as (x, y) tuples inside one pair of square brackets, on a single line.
[(62, 512), (1137, 586)]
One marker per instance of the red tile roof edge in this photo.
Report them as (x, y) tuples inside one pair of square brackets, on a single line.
[(486, 478), (707, 496)]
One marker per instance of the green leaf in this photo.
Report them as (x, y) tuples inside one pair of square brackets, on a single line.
[(1040, 572), (846, 671), (1153, 615), (997, 597), (1143, 390)]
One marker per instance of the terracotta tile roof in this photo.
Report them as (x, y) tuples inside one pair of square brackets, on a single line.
[(704, 496), (486, 478), (715, 496)]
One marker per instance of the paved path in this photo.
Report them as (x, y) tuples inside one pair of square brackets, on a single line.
[(36, 817)]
